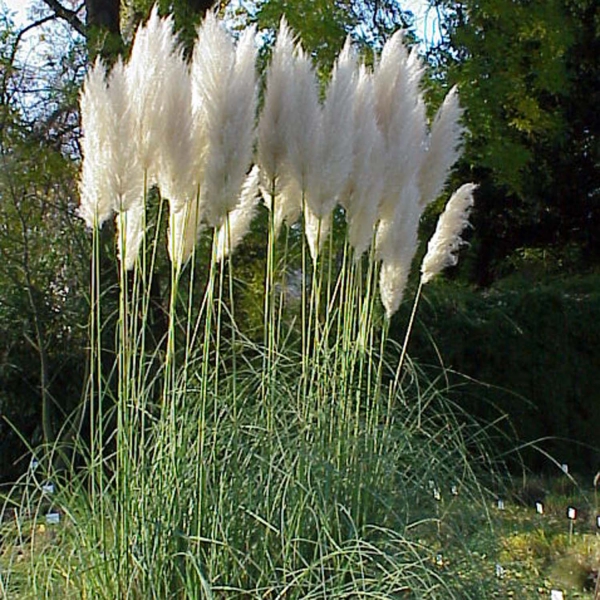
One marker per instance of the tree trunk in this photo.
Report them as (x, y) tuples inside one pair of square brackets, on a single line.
[(103, 14), (104, 29)]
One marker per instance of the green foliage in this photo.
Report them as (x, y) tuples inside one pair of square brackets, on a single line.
[(526, 349), (312, 506), (526, 73), (323, 25), (186, 14), (42, 266)]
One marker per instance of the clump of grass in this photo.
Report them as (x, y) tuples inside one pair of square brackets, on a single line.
[(301, 465)]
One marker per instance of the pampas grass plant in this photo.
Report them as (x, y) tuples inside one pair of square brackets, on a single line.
[(219, 466)]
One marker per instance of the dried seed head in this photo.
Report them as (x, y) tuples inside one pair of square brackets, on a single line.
[(443, 148), (446, 241)]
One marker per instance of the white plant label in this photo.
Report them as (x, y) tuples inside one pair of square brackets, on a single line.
[(52, 518)]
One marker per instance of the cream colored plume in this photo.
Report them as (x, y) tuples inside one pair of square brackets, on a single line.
[(239, 219), (111, 177), (225, 97), (274, 134), (130, 232), (176, 159), (316, 230), (401, 117), (446, 241), (303, 128), (127, 175), (443, 148), (185, 227), (146, 73), (333, 143), (362, 195), (277, 111), (96, 200), (396, 244)]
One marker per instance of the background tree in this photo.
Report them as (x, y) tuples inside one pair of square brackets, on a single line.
[(528, 72), (42, 250)]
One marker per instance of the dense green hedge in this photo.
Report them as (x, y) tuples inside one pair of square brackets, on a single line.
[(536, 347), (527, 350)]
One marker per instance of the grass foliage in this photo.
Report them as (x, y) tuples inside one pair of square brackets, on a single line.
[(217, 466), (296, 459)]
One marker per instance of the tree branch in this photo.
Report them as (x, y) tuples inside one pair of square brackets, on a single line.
[(70, 16), (11, 59)]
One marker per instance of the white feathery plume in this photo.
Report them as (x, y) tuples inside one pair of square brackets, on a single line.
[(127, 181), (126, 173), (363, 191), (391, 74), (185, 227), (443, 148), (401, 117), (277, 111), (273, 134), (316, 230), (303, 138), (397, 241), (238, 221), (333, 149), (305, 121), (225, 94), (96, 202), (393, 277), (288, 203), (130, 232), (175, 153), (446, 241), (212, 60), (146, 71)]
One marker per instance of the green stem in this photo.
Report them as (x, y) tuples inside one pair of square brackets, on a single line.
[(398, 377)]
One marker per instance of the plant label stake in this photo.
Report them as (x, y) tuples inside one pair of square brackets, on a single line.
[(500, 504), (571, 515), (52, 518), (556, 595), (539, 508)]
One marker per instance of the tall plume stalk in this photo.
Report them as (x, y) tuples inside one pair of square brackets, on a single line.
[(338, 178)]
